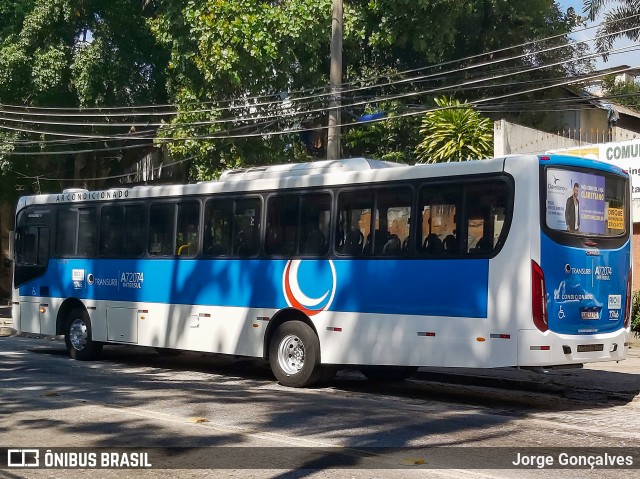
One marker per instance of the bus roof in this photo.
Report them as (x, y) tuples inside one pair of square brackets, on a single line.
[(309, 168), (349, 172)]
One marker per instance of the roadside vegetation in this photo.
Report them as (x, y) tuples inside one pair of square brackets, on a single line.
[(89, 89)]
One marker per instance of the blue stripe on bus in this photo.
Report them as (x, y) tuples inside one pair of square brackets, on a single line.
[(454, 288), (581, 280), (566, 160)]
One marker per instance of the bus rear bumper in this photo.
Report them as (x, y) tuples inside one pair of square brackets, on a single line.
[(552, 349)]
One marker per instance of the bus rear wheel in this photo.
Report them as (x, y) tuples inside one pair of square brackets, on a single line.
[(294, 355), (388, 373), (78, 337)]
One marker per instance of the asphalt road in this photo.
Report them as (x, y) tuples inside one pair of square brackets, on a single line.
[(136, 398)]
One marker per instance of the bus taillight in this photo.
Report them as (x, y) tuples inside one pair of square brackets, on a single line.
[(627, 304), (539, 298)]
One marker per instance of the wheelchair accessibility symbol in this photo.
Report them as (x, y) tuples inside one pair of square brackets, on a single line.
[(561, 313)]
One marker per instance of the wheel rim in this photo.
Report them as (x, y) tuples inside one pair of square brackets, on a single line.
[(78, 334), (291, 354)]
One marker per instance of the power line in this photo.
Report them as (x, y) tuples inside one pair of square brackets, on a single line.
[(296, 114), (112, 177), (401, 115), (51, 111)]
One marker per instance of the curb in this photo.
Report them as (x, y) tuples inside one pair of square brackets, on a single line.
[(6, 331)]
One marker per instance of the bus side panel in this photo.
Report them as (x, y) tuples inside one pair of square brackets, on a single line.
[(225, 330), (401, 340), (510, 271), (30, 316)]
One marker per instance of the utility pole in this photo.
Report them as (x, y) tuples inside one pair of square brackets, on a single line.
[(335, 82)]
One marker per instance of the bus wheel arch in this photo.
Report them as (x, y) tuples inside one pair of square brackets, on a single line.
[(293, 349), (282, 316), (78, 334), (67, 306)]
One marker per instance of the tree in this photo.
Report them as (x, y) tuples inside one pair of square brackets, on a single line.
[(454, 132), (249, 78), (234, 51), (627, 94), (65, 53), (242, 58), (394, 139), (624, 16)]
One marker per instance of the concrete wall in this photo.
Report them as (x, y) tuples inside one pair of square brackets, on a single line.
[(511, 138)]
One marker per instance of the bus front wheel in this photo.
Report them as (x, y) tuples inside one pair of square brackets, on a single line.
[(294, 355), (78, 337)]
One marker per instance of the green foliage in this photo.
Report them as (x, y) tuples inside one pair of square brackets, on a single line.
[(628, 93), (223, 50), (635, 312), (394, 139), (620, 21), (203, 54), (66, 53), (454, 132), (227, 50)]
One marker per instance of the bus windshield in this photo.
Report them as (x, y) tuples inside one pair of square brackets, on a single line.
[(593, 203)]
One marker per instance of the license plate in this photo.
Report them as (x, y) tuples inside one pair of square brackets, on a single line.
[(590, 314), (589, 348)]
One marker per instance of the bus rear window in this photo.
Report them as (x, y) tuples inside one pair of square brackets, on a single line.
[(586, 203)]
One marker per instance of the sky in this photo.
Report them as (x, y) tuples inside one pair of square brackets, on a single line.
[(629, 58)]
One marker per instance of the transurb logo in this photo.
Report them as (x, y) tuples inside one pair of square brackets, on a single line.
[(318, 280)]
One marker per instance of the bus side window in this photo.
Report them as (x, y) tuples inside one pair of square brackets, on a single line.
[(87, 224), (315, 218), (354, 226), (393, 212), (218, 221), (134, 226), (437, 221), (31, 251), (66, 230), (26, 245), (246, 226), (111, 228), (188, 233), (486, 210), (161, 229), (282, 225)]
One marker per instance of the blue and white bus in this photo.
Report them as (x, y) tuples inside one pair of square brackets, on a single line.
[(518, 261)]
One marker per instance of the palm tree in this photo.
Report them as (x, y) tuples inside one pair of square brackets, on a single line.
[(454, 132), (624, 15)]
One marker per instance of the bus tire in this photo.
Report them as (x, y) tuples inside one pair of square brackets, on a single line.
[(388, 373), (78, 336), (294, 355)]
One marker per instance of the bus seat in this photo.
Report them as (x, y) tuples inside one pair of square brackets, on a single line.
[(450, 245), (315, 243), (247, 243), (380, 240), (393, 246), (484, 245), (432, 244), (354, 242)]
